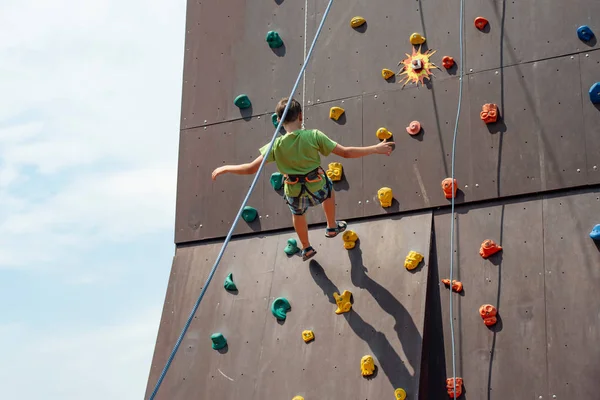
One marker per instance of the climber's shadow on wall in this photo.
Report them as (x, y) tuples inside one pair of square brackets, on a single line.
[(390, 362)]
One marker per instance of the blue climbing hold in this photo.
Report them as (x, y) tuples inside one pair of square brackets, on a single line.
[(585, 33), (595, 93), (595, 233)]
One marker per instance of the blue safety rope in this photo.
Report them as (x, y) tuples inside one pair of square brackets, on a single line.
[(237, 218), (460, 89)]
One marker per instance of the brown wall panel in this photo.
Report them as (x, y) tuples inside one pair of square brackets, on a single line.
[(590, 65)]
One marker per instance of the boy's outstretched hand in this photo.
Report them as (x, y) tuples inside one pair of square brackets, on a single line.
[(384, 147), (217, 172)]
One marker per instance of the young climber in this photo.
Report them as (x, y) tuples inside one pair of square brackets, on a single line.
[(297, 155)]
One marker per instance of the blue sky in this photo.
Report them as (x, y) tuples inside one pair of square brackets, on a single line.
[(89, 125)]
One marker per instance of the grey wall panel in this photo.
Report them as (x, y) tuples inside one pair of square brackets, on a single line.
[(508, 360), (590, 65), (572, 278)]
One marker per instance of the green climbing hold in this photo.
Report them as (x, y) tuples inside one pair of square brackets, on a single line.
[(274, 40), (249, 214), (229, 284), (242, 101), (277, 180), (274, 120), (218, 341), (292, 247), (280, 307)]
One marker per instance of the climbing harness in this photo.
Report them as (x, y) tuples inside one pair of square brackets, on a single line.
[(239, 213), (314, 176)]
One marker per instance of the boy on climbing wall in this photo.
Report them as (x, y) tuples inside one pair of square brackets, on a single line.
[(297, 155)]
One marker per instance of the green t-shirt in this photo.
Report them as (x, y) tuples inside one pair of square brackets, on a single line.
[(298, 153)]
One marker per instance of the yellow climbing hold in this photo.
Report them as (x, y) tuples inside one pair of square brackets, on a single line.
[(412, 260), (349, 237), (298, 398), (335, 113), (367, 365), (387, 73), (416, 39), (385, 196), (308, 336), (343, 301), (383, 134), (335, 171), (357, 21), (400, 394)]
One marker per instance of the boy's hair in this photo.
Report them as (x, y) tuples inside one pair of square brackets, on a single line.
[(293, 112)]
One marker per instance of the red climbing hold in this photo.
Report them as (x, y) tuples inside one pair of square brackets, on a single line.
[(489, 113), (450, 387), (447, 62), (488, 312), (488, 248), (457, 286), (480, 23), (447, 187)]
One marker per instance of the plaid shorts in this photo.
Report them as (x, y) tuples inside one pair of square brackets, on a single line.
[(299, 205)]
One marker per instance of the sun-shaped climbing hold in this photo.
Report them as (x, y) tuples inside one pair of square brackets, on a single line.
[(416, 39), (417, 67), (218, 341), (335, 171), (447, 62), (447, 187), (280, 307), (595, 233), (595, 93), (249, 214), (385, 197), (291, 247), (357, 21), (480, 23), (383, 134), (489, 113), (585, 33), (414, 128), (307, 336), (335, 113), (229, 284), (276, 180), (273, 39), (387, 73), (343, 301), (488, 248), (367, 365), (488, 312), (412, 260), (400, 394), (456, 285), (450, 385), (349, 237), (274, 120), (242, 101)]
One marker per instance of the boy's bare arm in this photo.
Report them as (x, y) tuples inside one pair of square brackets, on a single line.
[(384, 147), (240, 169)]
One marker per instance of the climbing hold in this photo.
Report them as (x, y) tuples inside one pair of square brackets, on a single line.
[(280, 307), (218, 341), (298, 398), (447, 62), (488, 312), (335, 171), (595, 93), (308, 336), (249, 214), (412, 260), (385, 196), (387, 73), (480, 23), (417, 67), (292, 247), (488, 248), (367, 365), (274, 119), (274, 40), (242, 101), (276, 180), (229, 284), (383, 134), (357, 21), (595, 233), (349, 237), (450, 387), (416, 64), (489, 113), (335, 113), (400, 394), (416, 39), (456, 285), (413, 128), (585, 33), (447, 187), (343, 301)]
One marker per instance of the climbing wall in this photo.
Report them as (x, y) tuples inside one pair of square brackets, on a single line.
[(268, 359)]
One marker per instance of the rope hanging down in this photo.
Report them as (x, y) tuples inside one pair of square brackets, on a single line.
[(237, 218)]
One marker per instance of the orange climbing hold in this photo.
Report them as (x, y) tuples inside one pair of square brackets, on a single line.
[(450, 387), (488, 312), (488, 248), (447, 62), (414, 128), (447, 187), (480, 23), (457, 286), (489, 113)]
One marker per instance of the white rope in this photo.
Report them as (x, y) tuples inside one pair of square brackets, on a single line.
[(304, 74)]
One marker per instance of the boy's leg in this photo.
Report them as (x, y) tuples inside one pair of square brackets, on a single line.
[(301, 227), (329, 209)]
